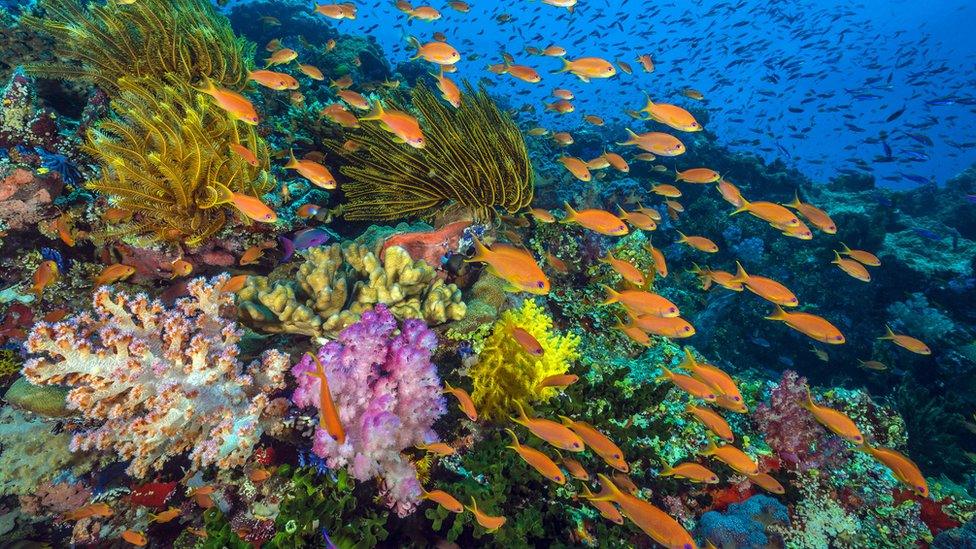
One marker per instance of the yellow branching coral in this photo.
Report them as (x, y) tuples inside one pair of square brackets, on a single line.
[(475, 161), (506, 374), (167, 159), (149, 38)]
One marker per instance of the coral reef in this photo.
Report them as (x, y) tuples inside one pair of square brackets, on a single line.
[(26, 197), (387, 396), (337, 283), (474, 162), (746, 524), (32, 453), (505, 374), (157, 382)]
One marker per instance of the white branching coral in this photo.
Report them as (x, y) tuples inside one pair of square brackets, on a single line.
[(156, 382)]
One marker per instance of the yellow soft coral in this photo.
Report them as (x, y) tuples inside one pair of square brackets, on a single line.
[(506, 374)]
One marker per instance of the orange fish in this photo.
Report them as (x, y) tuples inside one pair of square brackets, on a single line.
[(440, 53), (56, 315), (460, 6), (577, 167), (487, 522), (563, 94), (658, 143), (135, 538), (114, 273), (514, 265), (624, 66), (766, 482), (862, 257), (558, 380), (690, 385), (245, 153), (527, 342), (714, 376), (319, 175), (625, 269), (537, 460), (557, 264), (328, 415), (259, 475), (660, 265), (523, 73), (574, 467), (281, 57), (733, 457), (873, 365), (673, 116), (593, 119), (424, 13), (722, 278), (599, 443), (273, 45), (673, 327), (600, 221), (712, 421), (699, 243), (766, 288), (606, 509), (810, 325), (464, 401), (563, 138), (233, 103), (692, 93), (438, 448), (554, 433), (814, 215), (560, 107), (337, 11), (273, 80), (586, 68), (354, 99), (697, 175), (234, 284), (114, 215), (554, 51), (654, 522), (542, 216), (835, 421), (903, 468), (851, 267), (342, 83), (180, 267), (646, 62), (253, 208), (906, 342), (770, 212), (690, 471), (449, 90), (338, 114), (669, 191), (443, 499), (252, 254), (642, 303), (308, 210), (165, 516), (730, 193), (311, 71), (45, 275), (400, 124), (91, 510), (800, 231), (64, 229), (634, 332), (637, 219)]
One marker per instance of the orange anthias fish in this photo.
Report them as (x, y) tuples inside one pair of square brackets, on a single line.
[(527, 342), (637, 219), (851, 267), (699, 243), (634, 332), (814, 215), (328, 414), (722, 278), (233, 103), (439, 53), (607, 509), (45, 275), (254, 253), (165, 516), (712, 421), (438, 448), (281, 57), (698, 175), (660, 265), (597, 220), (537, 460), (642, 303), (180, 267), (558, 380), (669, 191), (714, 376), (654, 522), (464, 401), (114, 273), (730, 193), (673, 327), (577, 167), (599, 443), (234, 284), (658, 143), (646, 62), (342, 83), (906, 342), (424, 13), (810, 325), (574, 467), (523, 73), (769, 212), (487, 522), (253, 208), (766, 482), (513, 265), (337, 11), (311, 71), (273, 80), (625, 269), (835, 421), (862, 257), (443, 499), (259, 475), (400, 124), (245, 153), (319, 175), (449, 90), (554, 433), (542, 216), (586, 68), (733, 457), (91, 510), (671, 115), (690, 385), (135, 537), (354, 99), (690, 471), (903, 468), (338, 114), (766, 288)]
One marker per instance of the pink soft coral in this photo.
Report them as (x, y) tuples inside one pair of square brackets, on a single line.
[(387, 394)]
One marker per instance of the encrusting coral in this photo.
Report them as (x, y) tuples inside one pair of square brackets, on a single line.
[(506, 374), (148, 38), (168, 159), (337, 283), (387, 396), (156, 382), (475, 161)]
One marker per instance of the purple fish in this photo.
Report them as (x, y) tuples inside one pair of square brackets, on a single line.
[(309, 238), (971, 198), (289, 248)]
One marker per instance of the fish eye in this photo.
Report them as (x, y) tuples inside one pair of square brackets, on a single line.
[(687, 329), (737, 399)]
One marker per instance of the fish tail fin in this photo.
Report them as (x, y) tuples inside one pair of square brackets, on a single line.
[(844, 249), (376, 113), (523, 418), (623, 214), (481, 253), (864, 447), (567, 65), (447, 387), (631, 138), (612, 295), (808, 402), (777, 314), (743, 208), (567, 422), (836, 257), (665, 373), (684, 238), (710, 449), (689, 359), (796, 201), (666, 469), (515, 440), (473, 507), (414, 43), (888, 333), (208, 85), (292, 161), (610, 492), (570, 213), (740, 273)]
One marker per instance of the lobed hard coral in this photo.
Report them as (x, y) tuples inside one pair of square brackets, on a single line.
[(387, 396), (474, 162), (168, 160), (337, 283), (155, 382), (505, 374), (103, 43)]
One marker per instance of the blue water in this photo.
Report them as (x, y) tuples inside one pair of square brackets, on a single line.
[(809, 82)]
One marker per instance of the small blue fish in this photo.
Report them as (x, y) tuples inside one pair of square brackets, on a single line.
[(309, 238), (925, 233)]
